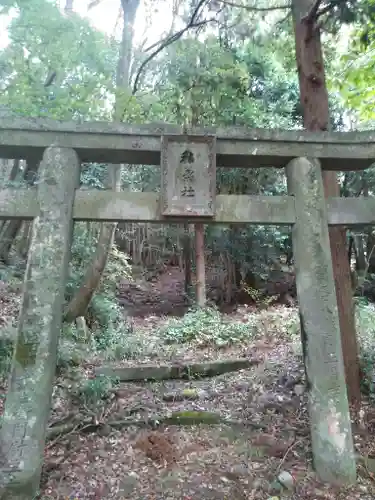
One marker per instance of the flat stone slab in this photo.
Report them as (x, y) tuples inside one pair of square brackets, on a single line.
[(175, 371)]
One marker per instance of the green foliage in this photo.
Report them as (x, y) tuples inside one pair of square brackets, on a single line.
[(70, 353), (93, 175), (55, 66), (354, 65), (112, 329), (356, 80), (104, 308), (104, 311), (206, 327), (125, 345), (204, 82), (104, 315), (257, 297), (91, 392), (194, 417)]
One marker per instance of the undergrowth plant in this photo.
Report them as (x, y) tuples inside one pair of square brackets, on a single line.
[(92, 391), (261, 301), (103, 310), (365, 317), (206, 326), (104, 317), (126, 346)]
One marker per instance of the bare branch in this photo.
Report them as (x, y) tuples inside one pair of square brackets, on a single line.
[(193, 16), (328, 8), (196, 11), (93, 4), (50, 79), (252, 8), (193, 23), (312, 15), (159, 42), (284, 18), (168, 41), (316, 12)]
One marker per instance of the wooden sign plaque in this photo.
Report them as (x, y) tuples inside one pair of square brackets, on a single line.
[(188, 167)]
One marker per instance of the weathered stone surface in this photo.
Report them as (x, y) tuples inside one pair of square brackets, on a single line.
[(286, 479), (328, 404), (188, 166), (194, 418), (180, 371), (351, 211), (116, 207), (236, 147), (184, 394), (28, 401)]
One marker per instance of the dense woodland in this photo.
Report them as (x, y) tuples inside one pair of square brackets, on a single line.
[(132, 295)]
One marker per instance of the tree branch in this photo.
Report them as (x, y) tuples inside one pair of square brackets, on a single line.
[(163, 40), (284, 18), (255, 9), (93, 4), (327, 9), (168, 41), (312, 15), (193, 23), (316, 12), (196, 10)]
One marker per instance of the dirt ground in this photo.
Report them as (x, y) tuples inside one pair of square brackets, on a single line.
[(259, 450), (161, 294)]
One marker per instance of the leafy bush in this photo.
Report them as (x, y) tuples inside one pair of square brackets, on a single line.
[(104, 312), (70, 354), (126, 346), (112, 336), (92, 391), (104, 309), (206, 326)]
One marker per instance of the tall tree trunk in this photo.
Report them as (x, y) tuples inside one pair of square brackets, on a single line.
[(68, 9), (200, 271), (80, 301), (24, 243), (186, 251), (370, 250), (360, 258), (200, 265), (129, 8), (314, 99), (9, 169), (8, 235)]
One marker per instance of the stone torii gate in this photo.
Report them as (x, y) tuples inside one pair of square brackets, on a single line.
[(188, 164)]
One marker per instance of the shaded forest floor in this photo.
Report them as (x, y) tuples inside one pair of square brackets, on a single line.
[(260, 448), (160, 294)]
